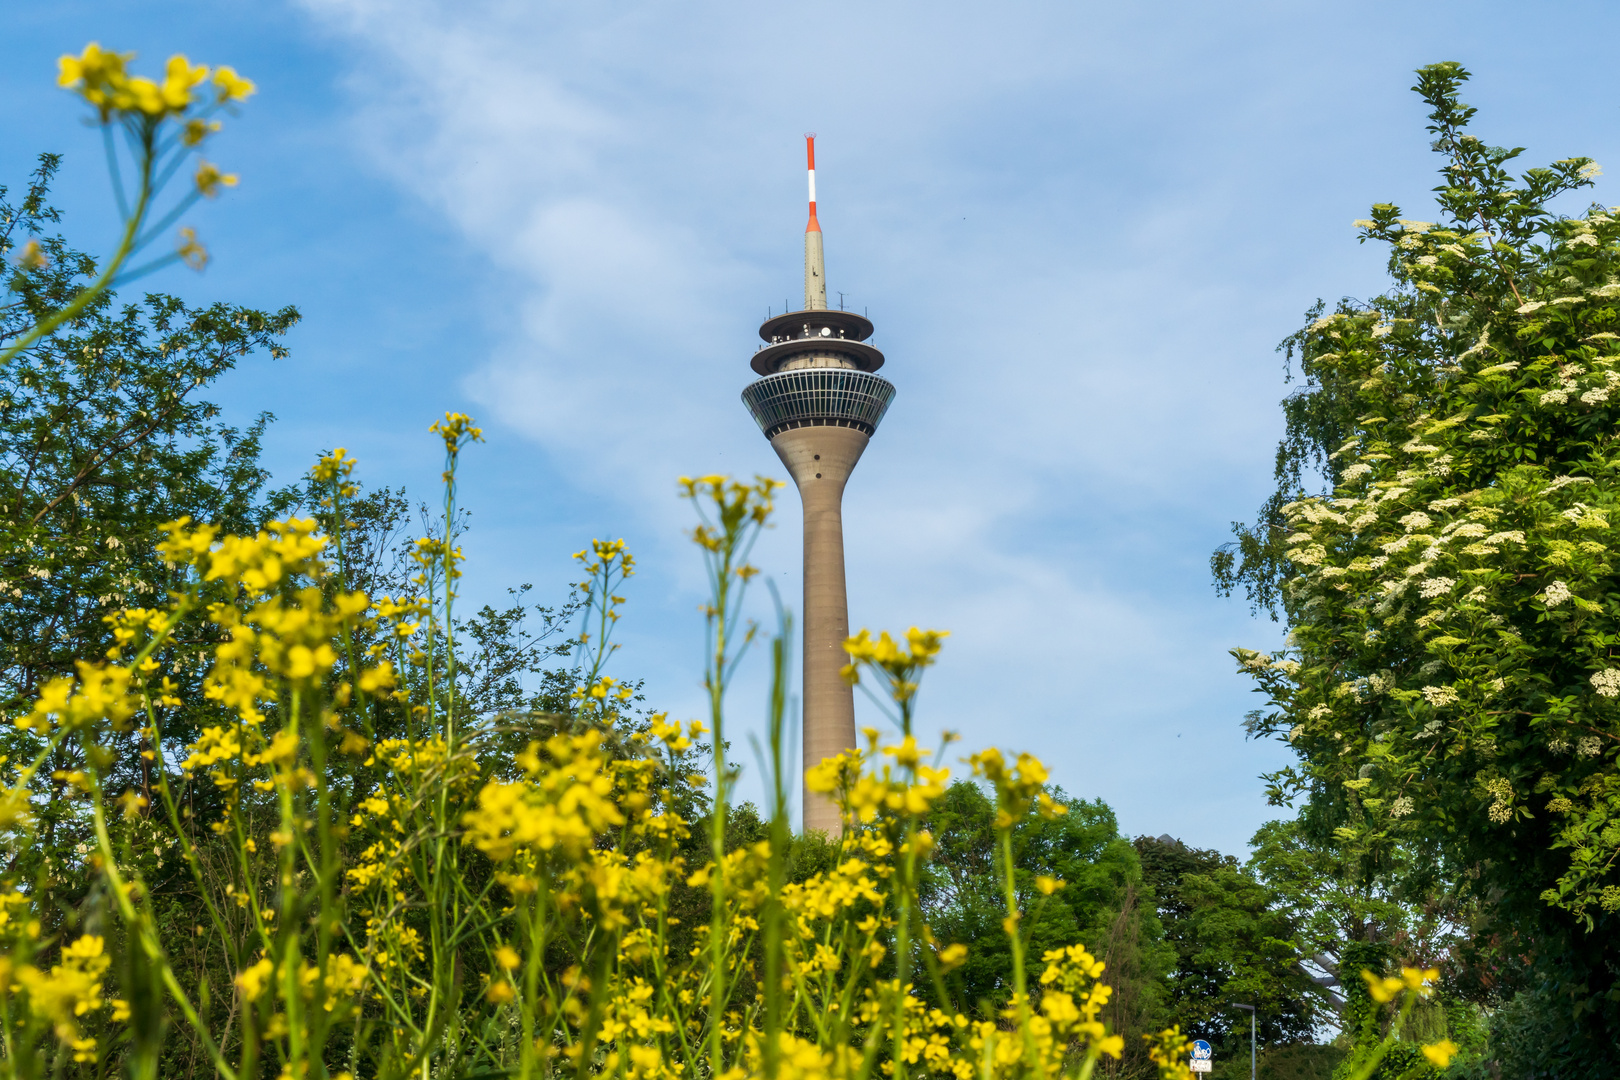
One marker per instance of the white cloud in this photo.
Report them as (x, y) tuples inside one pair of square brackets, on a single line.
[(1070, 370)]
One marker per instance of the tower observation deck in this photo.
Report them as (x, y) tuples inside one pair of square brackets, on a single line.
[(819, 403)]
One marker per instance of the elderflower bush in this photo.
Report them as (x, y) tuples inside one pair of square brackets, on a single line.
[(1453, 601)]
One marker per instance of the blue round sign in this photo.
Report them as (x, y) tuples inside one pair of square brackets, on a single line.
[(1202, 1051)]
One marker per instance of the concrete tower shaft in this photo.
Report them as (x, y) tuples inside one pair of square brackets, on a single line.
[(820, 459), (819, 404)]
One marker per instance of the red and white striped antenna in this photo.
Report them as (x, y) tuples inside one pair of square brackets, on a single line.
[(810, 159), (815, 272)]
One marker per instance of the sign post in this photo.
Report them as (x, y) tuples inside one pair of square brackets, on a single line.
[(1201, 1055)]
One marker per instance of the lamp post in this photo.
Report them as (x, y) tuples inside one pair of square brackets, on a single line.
[(1250, 1009)]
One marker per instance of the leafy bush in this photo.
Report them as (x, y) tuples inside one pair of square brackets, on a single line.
[(1451, 689)]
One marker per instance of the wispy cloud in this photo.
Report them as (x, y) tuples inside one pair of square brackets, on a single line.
[(1071, 344)]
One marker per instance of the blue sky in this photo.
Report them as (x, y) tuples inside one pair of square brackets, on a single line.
[(1080, 228)]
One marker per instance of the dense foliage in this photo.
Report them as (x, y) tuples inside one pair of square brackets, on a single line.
[(270, 806), (1233, 944), (1451, 686), (1103, 904)]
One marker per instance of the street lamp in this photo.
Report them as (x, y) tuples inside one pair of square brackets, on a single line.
[(1250, 1009)]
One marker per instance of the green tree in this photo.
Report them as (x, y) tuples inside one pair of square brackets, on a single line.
[(1102, 904), (1420, 923), (1451, 688), (1233, 944), (104, 436)]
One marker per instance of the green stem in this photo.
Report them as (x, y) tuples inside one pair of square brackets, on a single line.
[(88, 294)]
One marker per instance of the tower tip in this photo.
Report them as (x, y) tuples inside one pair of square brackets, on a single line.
[(815, 275), (810, 164)]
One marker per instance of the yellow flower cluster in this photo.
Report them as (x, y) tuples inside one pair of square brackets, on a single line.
[(457, 430), (732, 503), (102, 78), (899, 666), (1018, 788), (1416, 980), (389, 859), (69, 990), (562, 805), (101, 692)]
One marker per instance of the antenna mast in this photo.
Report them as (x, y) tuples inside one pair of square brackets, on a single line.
[(815, 269)]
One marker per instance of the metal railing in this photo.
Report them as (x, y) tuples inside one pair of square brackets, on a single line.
[(818, 396)]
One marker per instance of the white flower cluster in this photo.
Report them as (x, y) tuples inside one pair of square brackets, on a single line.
[(1311, 555), (1437, 586), (1555, 594), (1555, 397), (1319, 712), (1440, 696), (1607, 682), (1595, 397), (1355, 472), (1417, 519), (1565, 481), (1401, 807), (1513, 536), (1469, 529), (1589, 746)]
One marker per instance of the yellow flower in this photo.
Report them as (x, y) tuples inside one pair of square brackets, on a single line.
[(252, 981), (1418, 979), (98, 75), (178, 79), (210, 179), (99, 693), (93, 67), (1440, 1053), (192, 253), (33, 257), (507, 957), (1383, 990), (457, 430), (232, 87), (1049, 885), (71, 989), (196, 130)]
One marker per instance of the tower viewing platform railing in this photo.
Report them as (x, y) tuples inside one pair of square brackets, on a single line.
[(836, 397)]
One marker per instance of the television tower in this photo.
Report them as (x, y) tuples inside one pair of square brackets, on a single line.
[(819, 404)]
